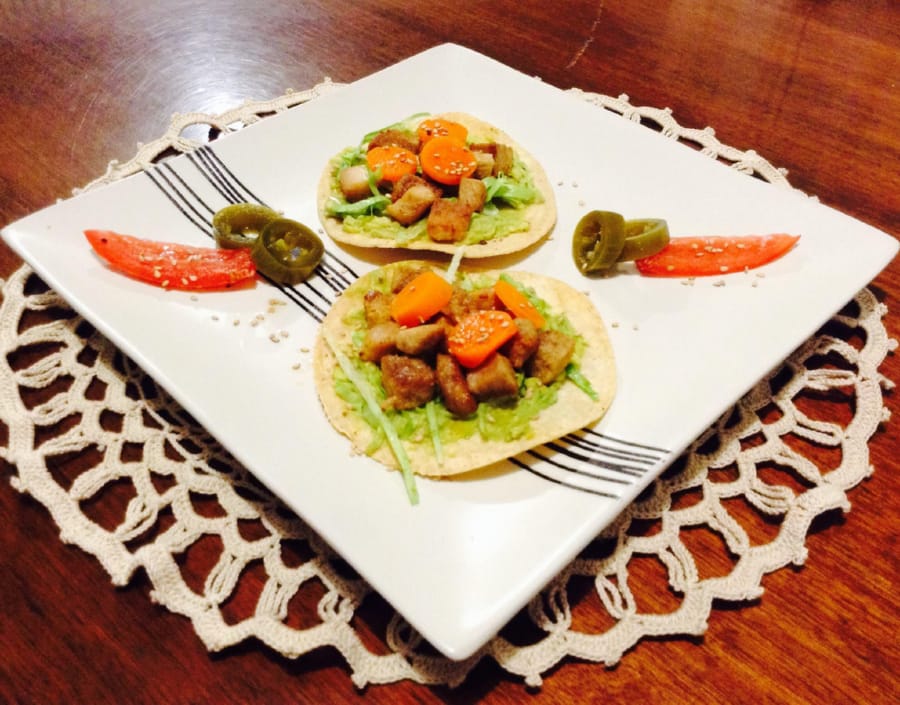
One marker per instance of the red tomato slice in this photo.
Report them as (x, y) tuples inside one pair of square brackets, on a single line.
[(707, 256), (173, 266)]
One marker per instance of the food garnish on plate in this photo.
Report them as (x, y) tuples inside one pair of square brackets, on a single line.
[(435, 182)]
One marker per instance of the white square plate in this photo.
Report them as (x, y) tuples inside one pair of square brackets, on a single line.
[(476, 549)]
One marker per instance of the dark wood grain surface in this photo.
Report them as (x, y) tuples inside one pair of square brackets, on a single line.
[(811, 85)]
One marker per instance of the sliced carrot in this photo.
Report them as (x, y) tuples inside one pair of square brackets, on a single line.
[(517, 303), (478, 334), (394, 162), (446, 161), (420, 299), (706, 256), (439, 127)]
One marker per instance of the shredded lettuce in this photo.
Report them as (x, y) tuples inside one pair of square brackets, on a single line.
[(373, 411), (372, 205)]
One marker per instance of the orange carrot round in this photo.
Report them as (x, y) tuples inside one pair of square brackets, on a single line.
[(517, 303), (420, 299), (394, 162), (439, 127), (478, 334), (446, 161)]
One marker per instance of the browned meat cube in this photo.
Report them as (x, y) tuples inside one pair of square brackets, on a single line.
[(494, 378), (380, 340), (523, 344), (463, 302), (472, 194), (408, 381), (484, 148), (354, 182), (420, 340), (484, 164), (503, 159), (377, 305), (395, 138), (457, 397), (554, 352), (407, 181), (448, 221), (412, 205)]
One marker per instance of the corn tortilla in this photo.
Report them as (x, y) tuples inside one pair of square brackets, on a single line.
[(573, 409), (541, 216)]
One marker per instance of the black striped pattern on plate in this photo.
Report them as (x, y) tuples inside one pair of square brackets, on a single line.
[(219, 187)]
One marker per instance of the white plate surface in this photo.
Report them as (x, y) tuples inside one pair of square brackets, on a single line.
[(475, 550)]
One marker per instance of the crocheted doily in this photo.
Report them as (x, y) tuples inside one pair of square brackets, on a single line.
[(134, 433)]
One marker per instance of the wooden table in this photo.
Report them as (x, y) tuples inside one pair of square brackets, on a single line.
[(812, 86)]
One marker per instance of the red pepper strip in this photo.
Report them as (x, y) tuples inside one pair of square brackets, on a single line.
[(708, 256), (170, 265)]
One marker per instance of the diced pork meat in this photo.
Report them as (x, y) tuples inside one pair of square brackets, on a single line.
[(420, 340), (494, 378), (395, 138), (454, 390), (492, 158), (522, 345), (408, 381), (472, 194), (380, 340), (354, 182), (554, 352), (504, 159), (377, 305), (407, 181), (448, 221), (412, 205), (463, 302), (484, 164)]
